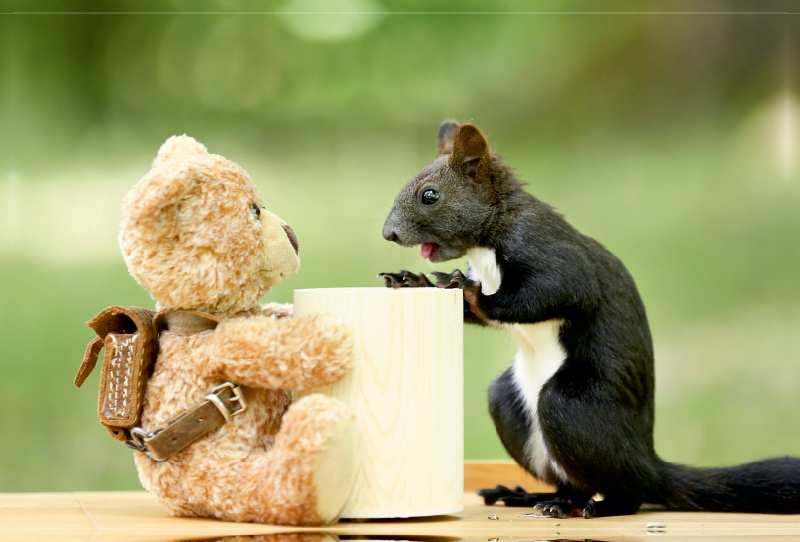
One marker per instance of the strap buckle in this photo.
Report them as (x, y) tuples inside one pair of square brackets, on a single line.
[(220, 397), (237, 397), (137, 436)]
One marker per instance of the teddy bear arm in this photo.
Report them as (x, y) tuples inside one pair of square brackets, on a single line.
[(290, 353)]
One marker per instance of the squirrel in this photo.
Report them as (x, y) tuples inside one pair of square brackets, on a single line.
[(576, 408)]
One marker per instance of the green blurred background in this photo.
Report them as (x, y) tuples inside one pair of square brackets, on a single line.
[(674, 139)]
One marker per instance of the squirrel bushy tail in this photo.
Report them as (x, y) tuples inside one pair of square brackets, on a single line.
[(771, 486)]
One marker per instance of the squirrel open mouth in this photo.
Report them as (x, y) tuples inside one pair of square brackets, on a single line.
[(429, 249)]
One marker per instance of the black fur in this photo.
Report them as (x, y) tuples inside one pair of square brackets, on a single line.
[(596, 412), (510, 416)]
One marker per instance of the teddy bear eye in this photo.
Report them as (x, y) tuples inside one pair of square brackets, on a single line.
[(256, 209)]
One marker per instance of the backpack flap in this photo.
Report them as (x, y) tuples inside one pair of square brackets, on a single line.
[(131, 347)]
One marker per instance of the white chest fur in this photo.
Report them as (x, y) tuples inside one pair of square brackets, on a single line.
[(483, 265), (539, 356)]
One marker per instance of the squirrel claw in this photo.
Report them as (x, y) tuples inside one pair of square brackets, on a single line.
[(456, 279), (556, 509), (589, 510), (471, 289), (405, 279)]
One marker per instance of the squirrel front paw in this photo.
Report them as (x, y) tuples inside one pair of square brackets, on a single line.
[(405, 279), (471, 288)]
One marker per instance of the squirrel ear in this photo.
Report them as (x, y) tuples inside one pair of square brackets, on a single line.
[(447, 133), (176, 146), (469, 147)]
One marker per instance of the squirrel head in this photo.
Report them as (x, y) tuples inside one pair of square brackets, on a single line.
[(449, 204)]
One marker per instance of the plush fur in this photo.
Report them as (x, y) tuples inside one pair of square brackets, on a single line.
[(195, 234)]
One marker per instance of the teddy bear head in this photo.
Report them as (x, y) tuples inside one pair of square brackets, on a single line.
[(194, 232)]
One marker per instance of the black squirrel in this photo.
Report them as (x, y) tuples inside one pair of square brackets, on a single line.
[(576, 407)]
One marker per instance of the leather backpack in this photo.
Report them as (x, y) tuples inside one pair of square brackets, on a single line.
[(129, 336)]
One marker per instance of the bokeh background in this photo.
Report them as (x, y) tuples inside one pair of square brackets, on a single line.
[(673, 138)]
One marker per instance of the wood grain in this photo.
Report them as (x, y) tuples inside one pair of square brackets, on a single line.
[(488, 474), (132, 516), (407, 392)]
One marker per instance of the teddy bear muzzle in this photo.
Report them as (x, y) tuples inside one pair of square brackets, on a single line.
[(292, 238)]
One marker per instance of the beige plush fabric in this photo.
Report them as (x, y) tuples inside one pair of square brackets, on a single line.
[(191, 234)]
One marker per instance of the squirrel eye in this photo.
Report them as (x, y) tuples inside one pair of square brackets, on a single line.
[(429, 197), (256, 209)]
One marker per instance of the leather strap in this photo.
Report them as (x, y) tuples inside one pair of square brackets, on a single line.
[(128, 320), (114, 319), (224, 401), (183, 322), (89, 361), (129, 336)]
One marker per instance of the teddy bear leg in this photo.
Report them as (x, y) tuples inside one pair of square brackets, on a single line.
[(335, 450), (306, 477), (321, 433)]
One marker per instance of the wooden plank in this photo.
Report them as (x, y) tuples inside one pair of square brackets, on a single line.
[(134, 512), (123, 516), (131, 512), (488, 474), (407, 390), (45, 513)]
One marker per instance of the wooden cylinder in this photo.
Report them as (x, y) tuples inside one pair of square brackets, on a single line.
[(407, 390)]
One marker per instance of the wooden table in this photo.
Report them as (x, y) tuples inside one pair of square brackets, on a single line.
[(130, 515)]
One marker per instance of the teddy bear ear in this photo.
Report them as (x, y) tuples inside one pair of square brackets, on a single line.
[(153, 203), (178, 146)]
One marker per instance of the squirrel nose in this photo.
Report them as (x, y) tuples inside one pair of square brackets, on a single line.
[(389, 234), (389, 228)]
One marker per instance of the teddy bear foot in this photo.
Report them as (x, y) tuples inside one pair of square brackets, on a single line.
[(319, 436), (337, 466)]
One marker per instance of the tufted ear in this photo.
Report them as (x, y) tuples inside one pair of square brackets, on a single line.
[(178, 146), (447, 132), (469, 148)]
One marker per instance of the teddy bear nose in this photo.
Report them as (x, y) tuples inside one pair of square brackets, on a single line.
[(292, 238)]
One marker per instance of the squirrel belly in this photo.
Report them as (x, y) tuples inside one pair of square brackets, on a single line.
[(539, 356)]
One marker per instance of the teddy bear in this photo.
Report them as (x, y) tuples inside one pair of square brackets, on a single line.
[(194, 233)]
